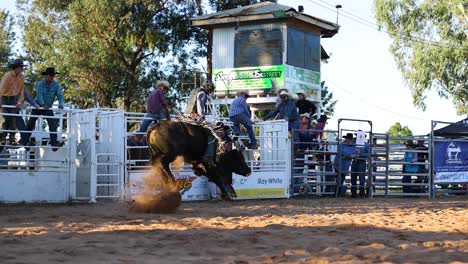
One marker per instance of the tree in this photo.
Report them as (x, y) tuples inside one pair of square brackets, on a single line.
[(398, 131), (7, 37), (107, 48), (429, 45), (328, 104)]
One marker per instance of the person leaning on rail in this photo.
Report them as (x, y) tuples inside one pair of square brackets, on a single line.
[(46, 92), (12, 94), (347, 154)]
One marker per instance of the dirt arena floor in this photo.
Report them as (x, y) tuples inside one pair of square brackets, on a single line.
[(307, 230)]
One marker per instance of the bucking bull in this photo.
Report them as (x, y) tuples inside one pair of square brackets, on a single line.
[(168, 140)]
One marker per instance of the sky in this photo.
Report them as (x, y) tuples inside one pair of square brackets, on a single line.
[(362, 73), (363, 76)]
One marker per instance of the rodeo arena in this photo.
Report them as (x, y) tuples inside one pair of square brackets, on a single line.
[(108, 186)]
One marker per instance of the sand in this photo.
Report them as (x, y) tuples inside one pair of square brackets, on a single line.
[(306, 230)]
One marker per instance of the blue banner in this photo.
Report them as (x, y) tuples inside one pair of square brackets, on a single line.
[(451, 162)]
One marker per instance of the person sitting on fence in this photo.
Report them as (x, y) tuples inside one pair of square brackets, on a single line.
[(239, 114), (287, 110), (319, 127), (157, 107), (46, 92), (198, 99), (409, 168), (12, 93), (358, 169), (31, 101), (343, 160)]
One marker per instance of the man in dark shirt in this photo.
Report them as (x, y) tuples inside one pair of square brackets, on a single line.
[(156, 107), (304, 105)]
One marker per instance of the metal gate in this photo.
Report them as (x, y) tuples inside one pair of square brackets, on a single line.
[(312, 170), (401, 166), (110, 147)]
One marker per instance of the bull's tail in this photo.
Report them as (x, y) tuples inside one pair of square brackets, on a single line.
[(154, 150)]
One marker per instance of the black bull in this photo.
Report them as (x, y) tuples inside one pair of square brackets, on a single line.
[(168, 140)]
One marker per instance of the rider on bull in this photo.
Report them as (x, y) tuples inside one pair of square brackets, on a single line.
[(197, 109)]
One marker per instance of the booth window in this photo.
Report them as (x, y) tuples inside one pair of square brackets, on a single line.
[(258, 47), (303, 49)]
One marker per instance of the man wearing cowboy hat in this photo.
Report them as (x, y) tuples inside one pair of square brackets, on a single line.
[(358, 168), (304, 105), (46, 92), (287, 110), (157, 107), (12, 93), (343, 160), (240, 114)]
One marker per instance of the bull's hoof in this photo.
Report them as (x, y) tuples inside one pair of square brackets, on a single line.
[(233, 194), (226, 197)]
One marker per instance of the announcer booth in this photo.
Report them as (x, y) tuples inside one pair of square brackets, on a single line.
[(264, 47)]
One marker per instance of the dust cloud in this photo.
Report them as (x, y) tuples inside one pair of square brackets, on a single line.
[(158, 196)]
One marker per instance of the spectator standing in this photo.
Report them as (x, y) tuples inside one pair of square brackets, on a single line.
[(287, 110), (422, 157), (157, 107), (278, 98), (319, 127), (46, 92), (409, 168), (12, 93), (358, 170), (304, 105), (343, 160), (239, 114)]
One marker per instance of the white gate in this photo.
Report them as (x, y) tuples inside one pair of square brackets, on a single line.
[(36, 173), (110, 146), (270, 164), (83, 153)]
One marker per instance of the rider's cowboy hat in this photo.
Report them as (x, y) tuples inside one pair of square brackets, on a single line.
[(165, 84)]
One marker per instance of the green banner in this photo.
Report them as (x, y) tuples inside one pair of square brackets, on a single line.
[(251, 78), (303, 80)]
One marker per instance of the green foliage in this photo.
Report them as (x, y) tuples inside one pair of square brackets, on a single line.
[(109, 51), (328, 103), (398, 131), (7, 37), (430, 46)]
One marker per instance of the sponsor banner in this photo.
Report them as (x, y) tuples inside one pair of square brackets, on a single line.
[(261, 185), (251, 78), (307, 81), (451, 162), (193, 188)]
